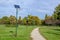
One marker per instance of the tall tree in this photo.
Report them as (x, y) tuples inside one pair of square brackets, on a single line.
[(57, 13), (19, 20), (46, 16)]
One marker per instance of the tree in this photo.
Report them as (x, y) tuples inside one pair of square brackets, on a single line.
[(5, 20), (24, 20), (19, 20), (12, 19), (44, 21), (57, 13), (37, 21), (46, 16), (32, 20), (0, 21), (48, 20)]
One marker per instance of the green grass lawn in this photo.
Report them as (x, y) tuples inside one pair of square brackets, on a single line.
[(23, 32), (50, 32)]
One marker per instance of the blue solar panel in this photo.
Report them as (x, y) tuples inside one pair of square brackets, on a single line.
[(17, 6)]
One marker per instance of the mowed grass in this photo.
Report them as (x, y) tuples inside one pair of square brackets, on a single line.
[(50, 32), (8, 33)]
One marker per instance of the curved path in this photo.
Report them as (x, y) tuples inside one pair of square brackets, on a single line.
[(35, 35)]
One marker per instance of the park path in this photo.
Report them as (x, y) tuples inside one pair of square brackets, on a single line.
[(35, 35)]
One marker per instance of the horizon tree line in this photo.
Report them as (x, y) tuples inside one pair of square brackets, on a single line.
[(34, 20)]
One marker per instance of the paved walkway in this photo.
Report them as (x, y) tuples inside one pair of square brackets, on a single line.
[(35, 35)]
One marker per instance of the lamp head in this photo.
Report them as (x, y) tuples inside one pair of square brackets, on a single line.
[(16, 6)]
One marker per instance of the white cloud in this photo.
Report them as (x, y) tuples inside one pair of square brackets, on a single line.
[(44, 11), (44, 6)]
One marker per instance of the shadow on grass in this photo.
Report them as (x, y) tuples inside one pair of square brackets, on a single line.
[(57, 29), (53, 33), (56, 33)]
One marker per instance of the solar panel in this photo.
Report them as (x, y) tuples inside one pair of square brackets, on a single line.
[(17, 6)]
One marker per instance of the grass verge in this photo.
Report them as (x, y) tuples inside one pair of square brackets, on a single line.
[(50, 32), (8, 33)]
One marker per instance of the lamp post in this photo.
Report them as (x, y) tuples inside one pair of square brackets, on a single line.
[(17, 7)]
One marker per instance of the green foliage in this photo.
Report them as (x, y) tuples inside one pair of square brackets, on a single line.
[(31, 20), (57, 13), (46, 16), (12, 19), (55, 18), (19, 20), (5, 20)]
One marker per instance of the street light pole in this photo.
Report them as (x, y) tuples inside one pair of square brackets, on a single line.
[(16, 20), (17, 7)]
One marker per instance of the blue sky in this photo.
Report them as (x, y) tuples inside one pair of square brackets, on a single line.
[(33, 7)]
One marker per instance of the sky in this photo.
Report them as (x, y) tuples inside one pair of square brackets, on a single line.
[(28, 7)]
